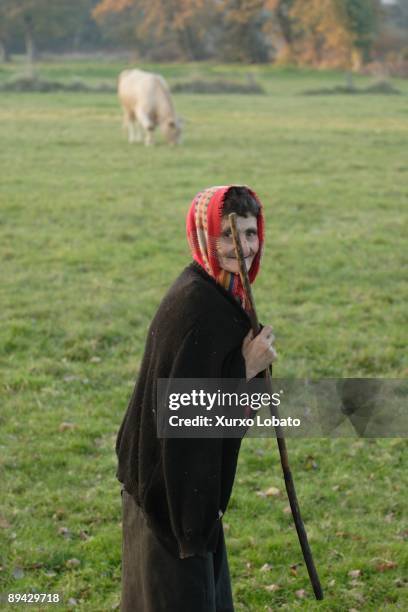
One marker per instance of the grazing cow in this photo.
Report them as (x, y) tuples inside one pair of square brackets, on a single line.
[(147, 103)]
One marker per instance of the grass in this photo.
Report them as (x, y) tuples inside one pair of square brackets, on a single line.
[(91, 235)]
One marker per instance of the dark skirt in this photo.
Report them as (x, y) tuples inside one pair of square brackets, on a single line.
[(155, 580)]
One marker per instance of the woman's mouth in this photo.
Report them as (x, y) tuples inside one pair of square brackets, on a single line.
[(235, 259)]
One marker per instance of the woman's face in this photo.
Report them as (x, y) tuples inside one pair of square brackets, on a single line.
[(248, 233)]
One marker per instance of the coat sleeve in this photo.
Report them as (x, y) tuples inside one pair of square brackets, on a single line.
[(193, 467)]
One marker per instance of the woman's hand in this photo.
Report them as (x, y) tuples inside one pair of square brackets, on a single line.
[(258, 352)]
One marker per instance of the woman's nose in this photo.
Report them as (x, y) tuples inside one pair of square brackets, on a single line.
[(245, 245)]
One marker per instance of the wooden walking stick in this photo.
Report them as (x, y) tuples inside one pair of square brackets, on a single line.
[(290, 486)]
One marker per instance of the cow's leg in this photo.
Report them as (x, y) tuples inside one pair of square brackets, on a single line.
[(127, 125), (131, 132), (137, 132), (149, 136), (148, 127), (130, 124)]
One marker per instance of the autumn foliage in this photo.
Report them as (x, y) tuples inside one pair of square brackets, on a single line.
[(320, 33), (316, 32)]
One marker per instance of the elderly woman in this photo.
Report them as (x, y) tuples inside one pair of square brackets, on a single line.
[(175, 491)]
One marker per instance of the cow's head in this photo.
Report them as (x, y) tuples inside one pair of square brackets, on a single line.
[(172, 130)]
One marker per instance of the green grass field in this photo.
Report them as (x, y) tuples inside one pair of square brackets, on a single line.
[(92, 234)]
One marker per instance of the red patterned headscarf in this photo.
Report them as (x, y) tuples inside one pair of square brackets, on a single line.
[(203, 230)]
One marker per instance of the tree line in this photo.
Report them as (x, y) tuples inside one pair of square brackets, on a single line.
[(322, 33)]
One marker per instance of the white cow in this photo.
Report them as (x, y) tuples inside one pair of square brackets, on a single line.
[(147, 103)]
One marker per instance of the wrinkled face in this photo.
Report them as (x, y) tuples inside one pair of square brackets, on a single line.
[(172, 131), (248, 233)]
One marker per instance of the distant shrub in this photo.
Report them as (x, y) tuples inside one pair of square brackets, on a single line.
[(380, 87), (32, 84), (218, 86)]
